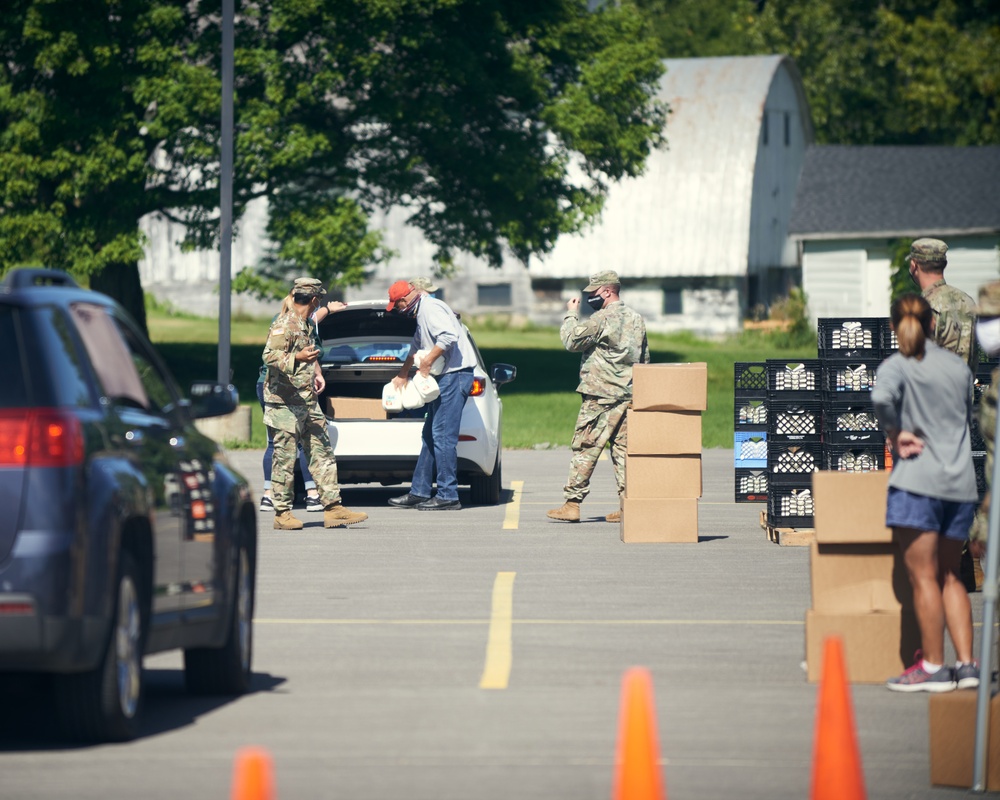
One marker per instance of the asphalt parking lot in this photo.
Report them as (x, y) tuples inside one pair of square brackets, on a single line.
[(373, 650)]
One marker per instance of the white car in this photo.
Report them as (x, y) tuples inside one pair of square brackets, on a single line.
[(363, 347)]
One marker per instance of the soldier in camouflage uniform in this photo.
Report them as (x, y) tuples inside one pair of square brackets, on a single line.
[(954, 311), (291, 408), (612, 340), (988, 312)]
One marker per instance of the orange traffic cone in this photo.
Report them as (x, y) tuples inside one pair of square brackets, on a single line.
[(637, 767), (837, 772), (253, 775)]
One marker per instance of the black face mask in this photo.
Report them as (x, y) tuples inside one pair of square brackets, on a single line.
[(596, 302), (411, 309)]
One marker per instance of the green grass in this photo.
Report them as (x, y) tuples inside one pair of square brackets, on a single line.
[(540, 406)]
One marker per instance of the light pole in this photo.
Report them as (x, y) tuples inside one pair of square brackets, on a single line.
[(226, 194)]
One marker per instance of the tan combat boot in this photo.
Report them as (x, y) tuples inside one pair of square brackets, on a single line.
[(570, 512), (286, 522), (336, 516), (614, 516)]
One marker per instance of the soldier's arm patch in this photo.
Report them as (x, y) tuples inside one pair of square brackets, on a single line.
[(276, 339)]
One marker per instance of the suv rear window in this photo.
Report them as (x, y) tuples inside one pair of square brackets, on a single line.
[(366, 336), (40, 362)]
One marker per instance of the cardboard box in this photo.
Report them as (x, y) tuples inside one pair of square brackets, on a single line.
[(670, 387), (355, 408), (858, 578), (662, 476), (850, 507), (665, 433), (877, 645), (952, 719), (659, 519)]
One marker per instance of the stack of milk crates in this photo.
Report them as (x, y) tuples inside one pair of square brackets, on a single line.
[(750, 431)]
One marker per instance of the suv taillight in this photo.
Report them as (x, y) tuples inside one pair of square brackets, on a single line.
[(39, 437), (478, 387)]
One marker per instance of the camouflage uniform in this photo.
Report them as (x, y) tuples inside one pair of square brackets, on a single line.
[(612, 340), (954, 320), (292, 410), (989, 306)]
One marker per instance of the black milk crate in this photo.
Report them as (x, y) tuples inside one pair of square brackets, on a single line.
[(979, 387), (750, 379), (794, 380), (985, 363), (848, 381), (984, 371), (982, 479), (751, 485), (795, 421), (890, 344), (850, 337), (855, 457), (975, 434), (794, 458), (790, 503), (851, 422), (750, 413)]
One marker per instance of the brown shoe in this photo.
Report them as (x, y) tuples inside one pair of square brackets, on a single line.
[(286, 522), (570, 512), (336, 516), (614, 516)]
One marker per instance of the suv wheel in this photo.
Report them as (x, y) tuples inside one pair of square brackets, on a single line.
[(227, 669), (103, 704)]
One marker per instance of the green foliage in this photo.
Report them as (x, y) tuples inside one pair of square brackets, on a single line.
[(900, 282), (893, 72), (465, 114), (701, 28), (800, 331)]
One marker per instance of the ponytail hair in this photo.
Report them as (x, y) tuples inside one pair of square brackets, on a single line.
[(912, 319)]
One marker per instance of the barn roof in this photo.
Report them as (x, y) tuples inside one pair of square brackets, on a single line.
[(691, 209), (846, 192)]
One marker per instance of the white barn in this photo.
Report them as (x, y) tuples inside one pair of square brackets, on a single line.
[(697, 239), (854, 204)]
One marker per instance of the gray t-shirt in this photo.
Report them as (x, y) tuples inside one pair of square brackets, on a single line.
[(933, 399)]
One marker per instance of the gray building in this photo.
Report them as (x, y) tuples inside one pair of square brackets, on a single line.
[(854, 204), (697, 239)]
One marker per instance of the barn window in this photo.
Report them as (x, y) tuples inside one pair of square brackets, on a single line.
[(673, 302), (493, 294)]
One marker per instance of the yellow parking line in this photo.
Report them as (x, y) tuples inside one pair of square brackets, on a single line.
[(334, 621), (496, 672), (513, 514)]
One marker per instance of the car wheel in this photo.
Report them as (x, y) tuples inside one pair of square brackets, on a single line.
[(103, 704), (485, 489), (227, 669)]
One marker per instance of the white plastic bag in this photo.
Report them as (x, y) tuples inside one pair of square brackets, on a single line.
[(436, 368), (392, 400), (427, 386)]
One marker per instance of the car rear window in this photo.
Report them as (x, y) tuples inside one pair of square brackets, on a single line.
[(41, 362), (366, 336)]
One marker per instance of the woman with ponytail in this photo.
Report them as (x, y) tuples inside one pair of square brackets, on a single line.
[(923, 400)]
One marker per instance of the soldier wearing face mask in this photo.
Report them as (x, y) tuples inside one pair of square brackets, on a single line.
[(611, 341), (954, 310)]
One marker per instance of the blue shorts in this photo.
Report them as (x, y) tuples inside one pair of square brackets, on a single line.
[(904, 509)]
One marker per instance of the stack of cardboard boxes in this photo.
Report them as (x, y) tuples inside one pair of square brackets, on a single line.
[(663, 461), (860, 589)]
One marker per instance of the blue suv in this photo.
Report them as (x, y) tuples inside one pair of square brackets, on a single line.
[(124, 530)]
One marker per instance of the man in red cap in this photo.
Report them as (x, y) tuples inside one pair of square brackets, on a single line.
[(439, 332)]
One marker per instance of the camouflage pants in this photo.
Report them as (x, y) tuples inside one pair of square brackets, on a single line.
[(311, 431), (987, 426), (601, 422)]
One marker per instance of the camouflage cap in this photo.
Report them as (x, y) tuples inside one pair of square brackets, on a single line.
[(989, 300), (607, 278), (308, 286), (924, 250), (423, 284)]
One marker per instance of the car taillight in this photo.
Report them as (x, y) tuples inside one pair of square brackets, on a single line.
[(39, 437), (478, 387)]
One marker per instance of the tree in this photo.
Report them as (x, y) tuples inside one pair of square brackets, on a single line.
[(893, 72), (702, 28), (498, 124)]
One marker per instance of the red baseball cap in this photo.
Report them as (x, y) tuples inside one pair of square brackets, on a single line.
[(398, 291)]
